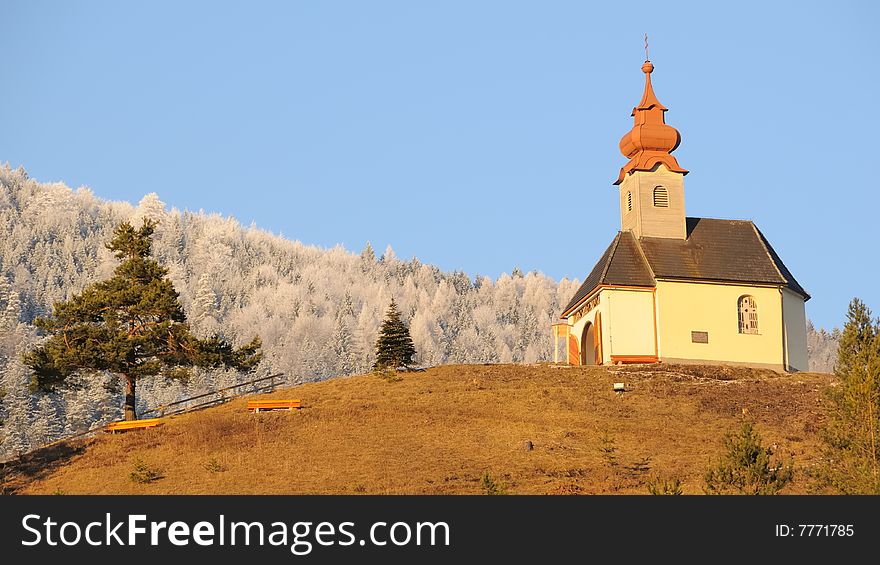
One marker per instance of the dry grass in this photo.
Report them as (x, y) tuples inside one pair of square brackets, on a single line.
[(442, 430)]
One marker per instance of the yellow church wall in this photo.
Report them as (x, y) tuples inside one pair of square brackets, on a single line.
[(628, 323), (625, 319), (795, 319), (685, 307)]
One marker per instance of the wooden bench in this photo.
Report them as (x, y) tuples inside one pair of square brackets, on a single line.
[(127, 425), (266, 405)]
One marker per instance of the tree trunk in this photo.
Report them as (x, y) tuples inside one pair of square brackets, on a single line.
[(129, 397)]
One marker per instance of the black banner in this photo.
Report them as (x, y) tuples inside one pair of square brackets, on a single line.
[(433, 529)]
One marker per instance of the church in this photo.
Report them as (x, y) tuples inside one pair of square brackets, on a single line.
[(674, 289)]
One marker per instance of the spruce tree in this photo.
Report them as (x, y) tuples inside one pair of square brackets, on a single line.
[(394, 348), (852, 432), (131, 325), (746, 466)]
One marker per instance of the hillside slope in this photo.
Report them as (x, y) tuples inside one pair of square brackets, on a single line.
[(317, 310), (440, 430)]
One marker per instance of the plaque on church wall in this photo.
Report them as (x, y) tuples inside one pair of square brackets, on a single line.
[(700, 337)]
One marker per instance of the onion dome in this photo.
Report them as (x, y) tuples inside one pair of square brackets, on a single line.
[(651, 141)]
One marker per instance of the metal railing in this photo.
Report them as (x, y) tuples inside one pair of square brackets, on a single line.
[(221, 395)]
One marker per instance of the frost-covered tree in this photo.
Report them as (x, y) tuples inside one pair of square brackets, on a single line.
[(204, 308), (822, 348), (47, 426), (344, 349), (12, 312), (10, 305)]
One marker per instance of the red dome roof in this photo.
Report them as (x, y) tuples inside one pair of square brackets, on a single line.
[(651, 141)]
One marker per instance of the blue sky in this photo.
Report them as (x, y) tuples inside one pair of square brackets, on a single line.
[(474, 135)]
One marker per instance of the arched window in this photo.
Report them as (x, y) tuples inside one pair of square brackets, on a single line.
[(661, 197), (748, 315), (629, 201)]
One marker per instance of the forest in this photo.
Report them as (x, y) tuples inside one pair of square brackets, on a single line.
[(317, 311)]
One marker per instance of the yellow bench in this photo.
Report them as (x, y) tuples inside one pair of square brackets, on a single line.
[(264, 405), (126, 425)]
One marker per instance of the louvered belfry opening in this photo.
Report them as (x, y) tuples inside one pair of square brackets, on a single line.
[(661, 197)]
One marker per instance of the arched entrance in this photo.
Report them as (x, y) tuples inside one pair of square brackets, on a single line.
[(588, 345)]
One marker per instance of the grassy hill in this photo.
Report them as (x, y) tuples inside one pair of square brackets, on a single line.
[(440, 430)]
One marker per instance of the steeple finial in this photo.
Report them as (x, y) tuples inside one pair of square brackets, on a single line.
[(651, 141)]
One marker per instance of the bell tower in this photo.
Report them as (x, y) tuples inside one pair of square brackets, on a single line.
[(652, 182)]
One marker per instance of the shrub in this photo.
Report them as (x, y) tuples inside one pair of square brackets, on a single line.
[(608, 449), (143, 473), (490, 486), (746, 466), (638, 468), (387, 375), (662, 486), (214, 466)]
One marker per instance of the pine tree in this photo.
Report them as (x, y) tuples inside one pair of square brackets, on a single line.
[(394, 348), (131, 325), (852, 432), (746, 466)]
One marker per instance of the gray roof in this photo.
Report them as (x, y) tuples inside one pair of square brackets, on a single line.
[(715, 250), (621, 264)]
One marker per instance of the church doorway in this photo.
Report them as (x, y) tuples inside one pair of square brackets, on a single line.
[(588, 345)]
